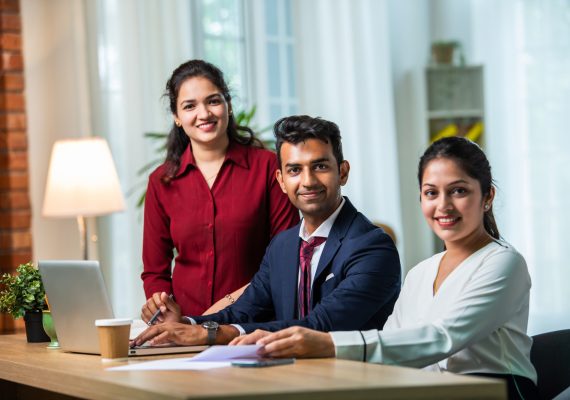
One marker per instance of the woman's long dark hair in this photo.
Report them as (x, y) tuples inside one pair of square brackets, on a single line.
[(470, 159), (178, 141)]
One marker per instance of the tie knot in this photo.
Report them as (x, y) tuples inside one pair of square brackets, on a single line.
[(316, 241), (307, 248)]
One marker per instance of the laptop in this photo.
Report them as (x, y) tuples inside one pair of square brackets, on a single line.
[(77, 297)]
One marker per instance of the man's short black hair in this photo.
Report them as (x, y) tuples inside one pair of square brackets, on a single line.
[(299, 128)]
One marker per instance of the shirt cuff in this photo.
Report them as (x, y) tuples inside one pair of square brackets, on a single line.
[(239, 328), (348, 345), (356, 345), (189, 320)]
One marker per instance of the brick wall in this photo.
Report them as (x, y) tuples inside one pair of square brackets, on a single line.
[(15, 214)]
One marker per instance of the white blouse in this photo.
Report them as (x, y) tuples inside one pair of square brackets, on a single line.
[(475, 323)]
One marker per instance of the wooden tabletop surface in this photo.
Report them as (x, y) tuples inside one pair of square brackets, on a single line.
[(84, 376)]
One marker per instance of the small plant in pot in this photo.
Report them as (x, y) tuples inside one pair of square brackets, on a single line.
[(23, 294)]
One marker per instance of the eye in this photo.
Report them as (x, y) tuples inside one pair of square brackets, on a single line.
[(188, 106), (293, 170), (321, 167), (430, 193), (459, 191), (214, 101)]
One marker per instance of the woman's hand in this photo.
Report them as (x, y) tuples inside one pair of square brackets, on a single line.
[(297, 342), (169, 310), (252, 338)]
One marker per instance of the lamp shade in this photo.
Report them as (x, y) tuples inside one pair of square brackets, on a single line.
[(82, 180)]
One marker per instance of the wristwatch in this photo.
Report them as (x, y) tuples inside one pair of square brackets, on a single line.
[(212, 328)]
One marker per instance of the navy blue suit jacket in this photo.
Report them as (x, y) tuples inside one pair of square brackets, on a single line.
[(355, 287)]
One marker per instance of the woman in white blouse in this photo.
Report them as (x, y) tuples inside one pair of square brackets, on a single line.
[(464, 310)]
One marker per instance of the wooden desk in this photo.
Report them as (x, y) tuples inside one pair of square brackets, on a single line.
[(32, 371)]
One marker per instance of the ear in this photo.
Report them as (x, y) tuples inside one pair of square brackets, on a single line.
[(490, 197), (344, 170), (279, 177)]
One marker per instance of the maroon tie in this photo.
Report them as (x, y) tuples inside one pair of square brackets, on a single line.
[(305, 257)]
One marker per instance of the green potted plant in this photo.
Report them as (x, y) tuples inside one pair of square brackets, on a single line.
[(23, 295)]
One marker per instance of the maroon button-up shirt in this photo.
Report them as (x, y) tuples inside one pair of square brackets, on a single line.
[(220, 234)]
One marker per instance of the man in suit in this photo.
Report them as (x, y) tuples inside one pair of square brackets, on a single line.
[(333, 271)]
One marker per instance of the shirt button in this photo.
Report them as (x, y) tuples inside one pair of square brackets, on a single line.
[(211, 253), (210, 226), (209, 283)]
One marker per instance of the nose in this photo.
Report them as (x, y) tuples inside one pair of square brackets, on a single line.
[(308, 178), (444, 204), (202, 111)]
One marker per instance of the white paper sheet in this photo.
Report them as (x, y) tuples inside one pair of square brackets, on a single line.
[(137, 327), (213, 357)]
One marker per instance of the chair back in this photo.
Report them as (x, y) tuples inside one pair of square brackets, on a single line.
[(550, 355), (386, 229)]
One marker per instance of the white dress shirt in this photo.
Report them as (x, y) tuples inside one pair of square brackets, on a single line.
[(475, 323)]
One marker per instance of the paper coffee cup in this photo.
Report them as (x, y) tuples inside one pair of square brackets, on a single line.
[(113, 338)]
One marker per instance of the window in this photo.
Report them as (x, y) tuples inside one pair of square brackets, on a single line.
[(221, 40), (233, 34), (282, 94)]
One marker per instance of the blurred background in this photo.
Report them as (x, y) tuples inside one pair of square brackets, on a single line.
[(375, 67)]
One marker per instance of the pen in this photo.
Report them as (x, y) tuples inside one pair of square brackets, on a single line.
[(152, 319)]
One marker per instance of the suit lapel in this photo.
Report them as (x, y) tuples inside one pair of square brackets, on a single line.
[(289, 271), (337, 233)]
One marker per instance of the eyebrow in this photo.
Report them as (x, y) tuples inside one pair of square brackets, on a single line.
[(313, 162), (207, 98), (449, 184)]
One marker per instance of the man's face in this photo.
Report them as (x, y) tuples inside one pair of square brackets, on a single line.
[(310, 176)]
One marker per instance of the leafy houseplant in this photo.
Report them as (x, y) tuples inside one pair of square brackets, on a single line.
[(23, 295)]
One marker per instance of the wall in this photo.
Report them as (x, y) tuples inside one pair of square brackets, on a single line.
[(57, 100), (15, 232)]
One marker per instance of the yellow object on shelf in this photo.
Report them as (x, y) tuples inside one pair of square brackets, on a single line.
[(475, 132), (448, 131)]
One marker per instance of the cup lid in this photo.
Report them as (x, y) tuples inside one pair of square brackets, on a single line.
[(113, 322)]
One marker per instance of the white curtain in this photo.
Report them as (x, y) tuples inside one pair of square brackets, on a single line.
[(343, 61), (525, 46), (134, 44)]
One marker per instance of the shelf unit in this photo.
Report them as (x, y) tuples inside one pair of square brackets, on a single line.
[(455, 107), (455, 102)]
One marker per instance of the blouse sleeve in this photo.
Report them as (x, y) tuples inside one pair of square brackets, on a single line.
[(282, 214), (157, 244), (492, 296)]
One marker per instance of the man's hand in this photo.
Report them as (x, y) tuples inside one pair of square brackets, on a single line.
[(297, 342), (252, 338), (183, 334), (169, 310)]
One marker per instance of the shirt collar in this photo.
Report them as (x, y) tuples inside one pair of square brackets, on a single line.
[(325, 228), (237, 153)]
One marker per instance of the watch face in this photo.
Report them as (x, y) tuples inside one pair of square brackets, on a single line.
[(210, 325)]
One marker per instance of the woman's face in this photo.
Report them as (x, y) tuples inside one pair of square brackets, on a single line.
[(202, 112), (452, 202)]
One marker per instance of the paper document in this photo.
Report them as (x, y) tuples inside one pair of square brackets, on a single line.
[(213, 357), (137, 327)]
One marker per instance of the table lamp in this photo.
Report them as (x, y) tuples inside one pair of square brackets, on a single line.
[(82, 182)]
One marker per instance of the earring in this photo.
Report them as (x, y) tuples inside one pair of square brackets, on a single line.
[(487, 206), (178, 124)]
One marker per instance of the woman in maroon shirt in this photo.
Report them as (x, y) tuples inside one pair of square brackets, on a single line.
[(214, 205)]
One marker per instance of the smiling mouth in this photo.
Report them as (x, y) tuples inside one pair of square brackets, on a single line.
[(207, 126), (311, 194), (447, 221)]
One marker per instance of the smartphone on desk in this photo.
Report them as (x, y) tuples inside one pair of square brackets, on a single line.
[(264, 362)]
